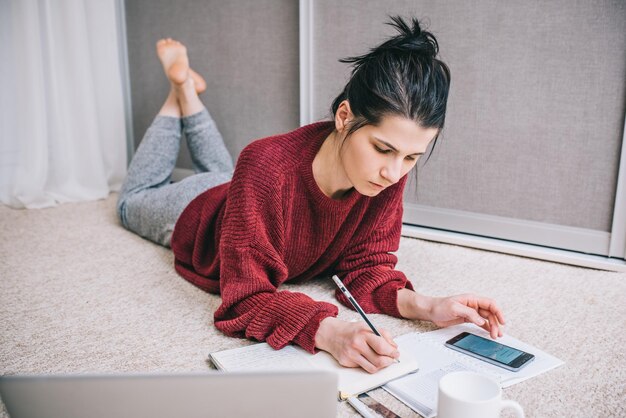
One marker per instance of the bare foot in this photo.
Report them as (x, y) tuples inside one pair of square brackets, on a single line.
[(198, 81), (173, 56)]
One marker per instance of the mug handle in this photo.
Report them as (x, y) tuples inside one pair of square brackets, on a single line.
[(513, 405)]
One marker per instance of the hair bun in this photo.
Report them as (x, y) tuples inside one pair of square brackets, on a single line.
[(411, 38), (402, 76)]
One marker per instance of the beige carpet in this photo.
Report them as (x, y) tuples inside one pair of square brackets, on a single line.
[(78, 293)]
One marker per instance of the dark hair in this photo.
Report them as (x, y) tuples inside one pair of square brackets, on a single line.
[(402, 77)]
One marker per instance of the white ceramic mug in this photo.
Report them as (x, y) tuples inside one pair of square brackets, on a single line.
[(471, 395)]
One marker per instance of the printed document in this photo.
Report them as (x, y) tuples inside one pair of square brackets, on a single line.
[(419, 390)]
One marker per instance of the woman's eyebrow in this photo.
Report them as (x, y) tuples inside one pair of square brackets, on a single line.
[(394, 148)]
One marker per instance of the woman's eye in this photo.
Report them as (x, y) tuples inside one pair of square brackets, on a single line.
[(382, 151), (409, 158)]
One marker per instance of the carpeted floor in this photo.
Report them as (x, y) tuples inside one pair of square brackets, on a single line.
[(78, 293)]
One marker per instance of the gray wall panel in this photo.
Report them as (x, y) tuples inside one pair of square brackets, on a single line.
[(247, 50), (536, 111)]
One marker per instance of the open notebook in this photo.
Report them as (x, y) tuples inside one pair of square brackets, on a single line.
[(352, 381)]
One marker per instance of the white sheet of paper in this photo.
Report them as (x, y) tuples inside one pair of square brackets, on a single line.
[(419, 390)]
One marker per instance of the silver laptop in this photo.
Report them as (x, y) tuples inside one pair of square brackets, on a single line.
[(214, 394)]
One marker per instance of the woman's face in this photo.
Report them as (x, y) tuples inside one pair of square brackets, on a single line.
[(376, 157)]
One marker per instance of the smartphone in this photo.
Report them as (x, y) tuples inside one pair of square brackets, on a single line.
[(490, 351)]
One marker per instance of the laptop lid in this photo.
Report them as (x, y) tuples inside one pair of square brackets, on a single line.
[(214, 394)]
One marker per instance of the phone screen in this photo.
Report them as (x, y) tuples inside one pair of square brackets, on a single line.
[(489, 349)]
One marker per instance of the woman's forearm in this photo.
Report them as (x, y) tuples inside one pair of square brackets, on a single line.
[(412, 305)]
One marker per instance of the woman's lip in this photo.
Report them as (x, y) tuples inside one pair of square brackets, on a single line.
[(377, 185)]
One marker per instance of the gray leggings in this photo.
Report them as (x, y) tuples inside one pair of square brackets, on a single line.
[(149, 203)]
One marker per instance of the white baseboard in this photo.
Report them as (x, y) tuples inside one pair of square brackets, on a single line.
[(515, 248), (582, 240)]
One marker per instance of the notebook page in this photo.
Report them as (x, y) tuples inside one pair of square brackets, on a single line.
[(262, 357), (353, 381)]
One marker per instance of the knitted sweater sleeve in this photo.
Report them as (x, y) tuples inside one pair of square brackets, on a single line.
[(367, 267), (252, 266)]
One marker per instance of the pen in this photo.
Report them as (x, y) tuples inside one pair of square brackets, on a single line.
[(354, 303)]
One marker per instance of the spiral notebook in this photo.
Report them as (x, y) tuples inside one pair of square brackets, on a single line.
[(352, 381)]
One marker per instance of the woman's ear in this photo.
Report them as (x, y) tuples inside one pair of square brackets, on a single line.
[(343, 116)]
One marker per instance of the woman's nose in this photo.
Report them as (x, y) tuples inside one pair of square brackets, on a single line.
[(392, 172)]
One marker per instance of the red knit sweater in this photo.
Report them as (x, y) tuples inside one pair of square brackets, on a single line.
[(272, 224)]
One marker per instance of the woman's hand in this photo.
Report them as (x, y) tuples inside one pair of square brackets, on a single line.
[(458, 309), (453, 310), (353, 344)]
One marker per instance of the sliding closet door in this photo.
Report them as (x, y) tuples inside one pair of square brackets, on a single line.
[(247, 50), (531, 148)]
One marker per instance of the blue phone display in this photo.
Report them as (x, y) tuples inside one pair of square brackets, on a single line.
[(490, 349)]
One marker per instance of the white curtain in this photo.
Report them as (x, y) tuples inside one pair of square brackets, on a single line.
[(62, 132)]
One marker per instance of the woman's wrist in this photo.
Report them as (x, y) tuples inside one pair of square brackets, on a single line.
[(325, 332), (412, 305)]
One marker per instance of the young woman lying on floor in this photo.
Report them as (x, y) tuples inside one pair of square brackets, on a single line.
[(323, 199)]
